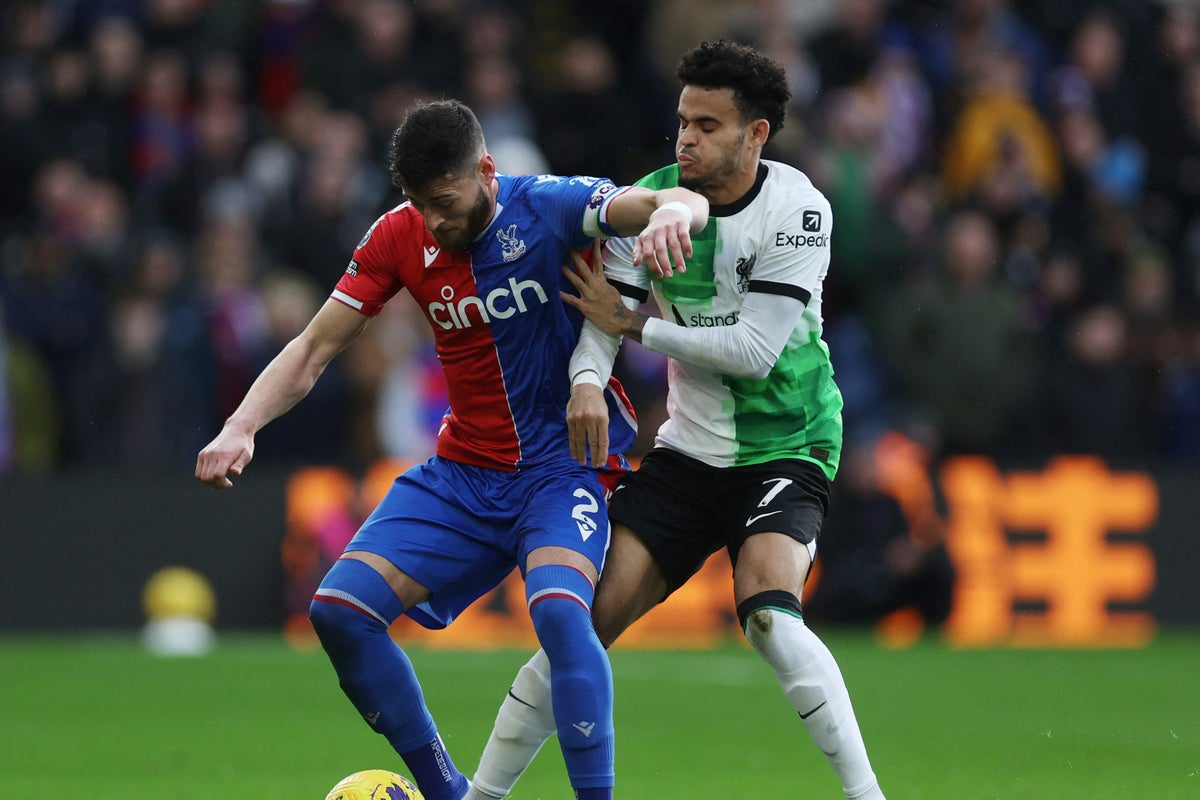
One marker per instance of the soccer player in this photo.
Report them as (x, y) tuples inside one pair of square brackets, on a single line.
[(482, 254), (754, 430)]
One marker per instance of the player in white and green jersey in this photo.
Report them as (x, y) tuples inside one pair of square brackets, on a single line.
[(738, 399), (754, 430)]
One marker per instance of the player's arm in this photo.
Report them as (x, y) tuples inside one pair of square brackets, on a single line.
[(664, 221), (746, 349), (596, 351), (284, 382), (587, 413), (750, 347), (780, 288)]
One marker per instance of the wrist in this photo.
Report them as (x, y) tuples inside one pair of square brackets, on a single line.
[(241, 426), (586, 377), (631, 324), (682, 208)]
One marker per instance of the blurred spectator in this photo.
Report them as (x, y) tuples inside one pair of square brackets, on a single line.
[(178, 174), (1095, 75), (116, 50), (1090, 400), (339, 193), (493, 91), (1099, 172), (365, 47), (162, 125), (316, 430), (1180, 395), (999, 140), (215, 175), (107, 243), (877, 557), (586, 125), (873, 139), (867, 394), (675, 26), (229, 265), (1172, 118), (956, 41), (23, 137), (155, 374), (29, 412), (845, 52), (958, 345), (1176, 183), (50, 303)]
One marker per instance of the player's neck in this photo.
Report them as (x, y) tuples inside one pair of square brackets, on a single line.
[(733, 189)]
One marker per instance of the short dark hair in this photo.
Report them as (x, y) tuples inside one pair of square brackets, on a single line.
[(759, 84), (435, 139)]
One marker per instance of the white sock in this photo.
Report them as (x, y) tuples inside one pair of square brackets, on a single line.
[(523, 724), (810, 678)]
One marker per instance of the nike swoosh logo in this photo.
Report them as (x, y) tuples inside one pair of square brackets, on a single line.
[(431, 254), (815, 710), (757, 517)]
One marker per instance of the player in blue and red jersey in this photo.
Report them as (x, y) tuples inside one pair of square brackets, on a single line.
[(482, 253)]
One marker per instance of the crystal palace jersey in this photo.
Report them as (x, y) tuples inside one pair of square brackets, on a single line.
[(502, 333), (775, 239)]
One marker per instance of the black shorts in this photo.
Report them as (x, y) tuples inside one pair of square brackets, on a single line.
[(684, 510)]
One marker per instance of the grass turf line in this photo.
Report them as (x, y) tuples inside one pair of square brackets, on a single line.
[(97, 717)]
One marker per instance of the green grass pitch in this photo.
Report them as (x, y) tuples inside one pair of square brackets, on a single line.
[(96, 717)]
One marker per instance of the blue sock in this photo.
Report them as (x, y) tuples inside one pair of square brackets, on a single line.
[(351, 613), (560, 600), (605, 793)]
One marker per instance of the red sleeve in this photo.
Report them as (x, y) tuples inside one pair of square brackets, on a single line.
[(376, 270)]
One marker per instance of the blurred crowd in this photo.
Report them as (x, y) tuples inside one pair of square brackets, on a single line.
[(1015, 186)]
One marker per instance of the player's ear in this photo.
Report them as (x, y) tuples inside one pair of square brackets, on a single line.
[(486, 168), (760, 129)]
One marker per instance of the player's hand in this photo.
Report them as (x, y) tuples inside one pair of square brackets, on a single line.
[(587, 424), (226, 455), (665, 243), (598, 299)]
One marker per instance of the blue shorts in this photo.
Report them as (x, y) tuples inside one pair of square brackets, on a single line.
[(458, 530)]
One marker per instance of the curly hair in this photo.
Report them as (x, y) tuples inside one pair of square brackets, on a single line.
[(434, 140), (759, 84)]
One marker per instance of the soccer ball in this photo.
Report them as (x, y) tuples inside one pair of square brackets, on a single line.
[(375, 784)]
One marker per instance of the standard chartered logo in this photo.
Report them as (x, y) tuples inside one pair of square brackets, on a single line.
[(500, 303)]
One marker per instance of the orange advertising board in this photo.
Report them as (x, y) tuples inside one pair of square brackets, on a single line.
[(1050, 558)]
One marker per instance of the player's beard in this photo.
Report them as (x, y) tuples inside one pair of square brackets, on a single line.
[(727, 165), (477, 219)]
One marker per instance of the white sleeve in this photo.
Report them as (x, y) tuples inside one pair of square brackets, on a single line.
[(746, 349), (596, 350)]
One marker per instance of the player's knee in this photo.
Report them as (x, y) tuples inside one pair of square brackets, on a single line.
[(756, 615), (352, 601), (532, 682), (558, 621), (326, 622), (560, 600), (332, 622)]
